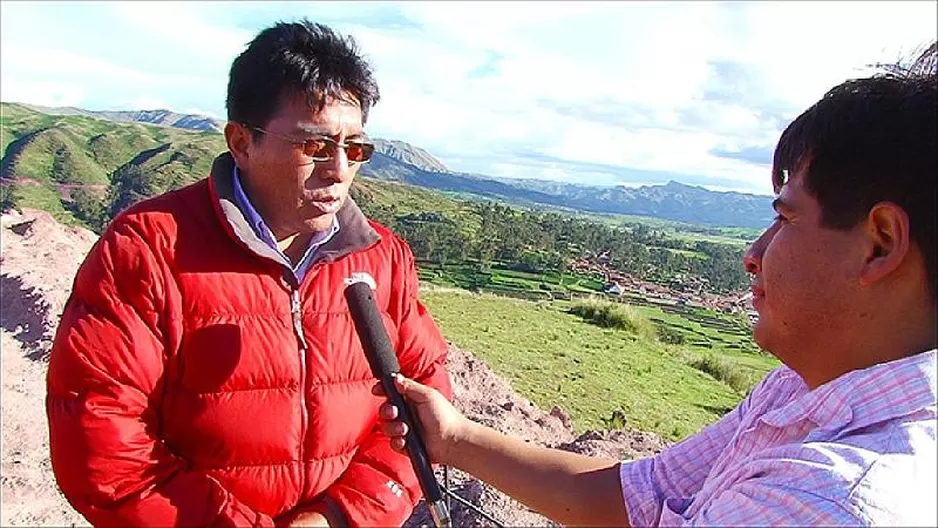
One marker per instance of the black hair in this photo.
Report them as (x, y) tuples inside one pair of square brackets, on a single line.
[(872, 140), (297, 58)]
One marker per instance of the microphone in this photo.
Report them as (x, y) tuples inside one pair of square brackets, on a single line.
[(383, 363)]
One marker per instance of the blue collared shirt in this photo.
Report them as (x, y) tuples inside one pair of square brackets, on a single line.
[(264, 233)]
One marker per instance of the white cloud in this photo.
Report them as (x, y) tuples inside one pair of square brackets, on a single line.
[(41, 93), (143, 103), (643, 86), (48, 62), (184, 24), (200, 111), (657, 57)]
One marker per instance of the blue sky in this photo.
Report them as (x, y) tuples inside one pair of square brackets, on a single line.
[(603, 93)]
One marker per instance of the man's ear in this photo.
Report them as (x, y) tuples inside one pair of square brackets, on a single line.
[(239, 141), (887, 230)]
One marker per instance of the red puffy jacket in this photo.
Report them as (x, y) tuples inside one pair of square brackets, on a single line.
[(190, 383)]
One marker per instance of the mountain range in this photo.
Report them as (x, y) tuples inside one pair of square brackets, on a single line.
[(394, 160), (153, 117), (399, 161)]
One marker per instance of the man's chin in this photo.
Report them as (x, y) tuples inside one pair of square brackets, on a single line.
[(759, 332), (319, 223)]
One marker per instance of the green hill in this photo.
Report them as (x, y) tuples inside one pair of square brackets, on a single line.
[(83, 169)]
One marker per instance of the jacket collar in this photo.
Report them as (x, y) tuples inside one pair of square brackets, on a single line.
[(356, 233)]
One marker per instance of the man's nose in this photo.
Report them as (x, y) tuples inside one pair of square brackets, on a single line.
[(336, 168), (752, 260)]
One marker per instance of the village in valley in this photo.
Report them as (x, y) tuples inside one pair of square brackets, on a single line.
[(684, 290)]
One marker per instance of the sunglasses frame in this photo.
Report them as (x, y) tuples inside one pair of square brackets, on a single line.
[(302, 144)]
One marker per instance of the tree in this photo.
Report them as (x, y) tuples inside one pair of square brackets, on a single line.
[(90, 208)]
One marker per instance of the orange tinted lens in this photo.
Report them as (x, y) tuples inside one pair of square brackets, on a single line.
[(319, 149), (359, 151)]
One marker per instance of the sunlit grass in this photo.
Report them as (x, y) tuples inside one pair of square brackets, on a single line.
[(557, 358)]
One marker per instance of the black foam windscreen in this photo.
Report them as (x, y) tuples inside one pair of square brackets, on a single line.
[(370, 327)]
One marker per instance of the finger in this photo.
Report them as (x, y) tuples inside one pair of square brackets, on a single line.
[(394, 429), (397, 444), (387, 412), (377, 389), (412, 390)]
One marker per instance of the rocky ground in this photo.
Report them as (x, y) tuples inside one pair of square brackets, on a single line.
[(38, 260)]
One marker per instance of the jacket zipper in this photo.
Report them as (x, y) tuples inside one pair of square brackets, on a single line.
[(295, 309)]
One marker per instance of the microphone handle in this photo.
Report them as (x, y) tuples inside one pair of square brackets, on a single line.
[(413, 443)]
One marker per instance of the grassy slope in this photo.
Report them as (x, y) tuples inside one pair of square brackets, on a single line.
[(736, 236), (466, 275), (48, 153), (406, 199), (556, 358)]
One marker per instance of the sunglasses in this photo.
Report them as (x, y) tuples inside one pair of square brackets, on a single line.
[(324, 148)]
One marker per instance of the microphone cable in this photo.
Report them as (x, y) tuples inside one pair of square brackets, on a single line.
[(450, 494)]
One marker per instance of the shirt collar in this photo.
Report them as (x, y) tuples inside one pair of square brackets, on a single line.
[(864, 397)]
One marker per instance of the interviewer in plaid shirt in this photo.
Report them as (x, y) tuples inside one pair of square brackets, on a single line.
[(844, 281)]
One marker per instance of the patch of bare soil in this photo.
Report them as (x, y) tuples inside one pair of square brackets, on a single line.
[(38, 261)]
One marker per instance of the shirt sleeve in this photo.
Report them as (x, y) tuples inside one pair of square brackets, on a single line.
[(821, 483), (680, 470)]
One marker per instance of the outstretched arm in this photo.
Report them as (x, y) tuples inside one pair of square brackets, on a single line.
[(569, 488)]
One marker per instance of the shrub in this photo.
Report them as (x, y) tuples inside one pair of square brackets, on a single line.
[(617, 420), (615, 315), (722, 370), (669, 335)]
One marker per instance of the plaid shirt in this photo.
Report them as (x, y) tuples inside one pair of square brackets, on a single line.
[(858, 450)]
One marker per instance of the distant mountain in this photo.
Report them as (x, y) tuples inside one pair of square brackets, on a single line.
[(153, 117), (673, 201), (408, 154), (392, 168), (393, 161)]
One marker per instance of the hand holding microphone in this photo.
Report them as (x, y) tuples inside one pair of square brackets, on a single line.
[(384, 365), (441, 424)]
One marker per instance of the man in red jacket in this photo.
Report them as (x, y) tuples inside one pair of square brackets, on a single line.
[(206, 370)]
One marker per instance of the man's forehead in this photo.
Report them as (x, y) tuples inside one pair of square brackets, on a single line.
[(784, 176), (301, 104), (330, 126), (792, 195), (330, 119)]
